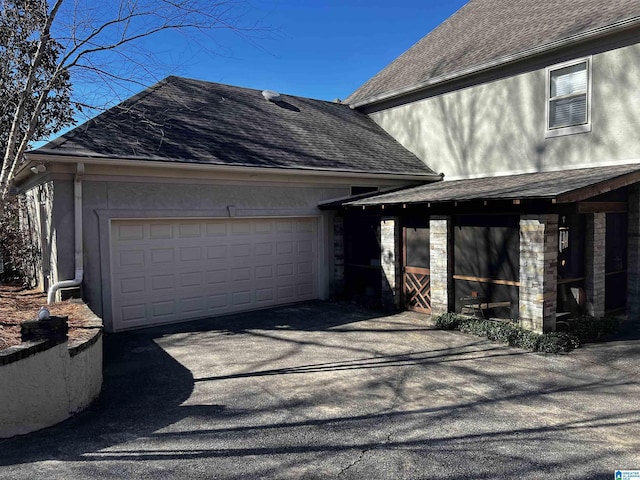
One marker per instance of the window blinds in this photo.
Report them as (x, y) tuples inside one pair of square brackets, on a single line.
[(568, 96)]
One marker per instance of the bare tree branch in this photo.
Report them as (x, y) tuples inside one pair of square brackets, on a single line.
[(11, 156), (75, 39)]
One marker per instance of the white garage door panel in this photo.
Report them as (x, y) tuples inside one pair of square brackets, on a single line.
[(165, 271)]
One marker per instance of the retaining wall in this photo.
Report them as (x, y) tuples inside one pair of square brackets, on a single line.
[(45, 381)]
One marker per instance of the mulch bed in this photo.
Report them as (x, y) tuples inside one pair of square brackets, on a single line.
[(18, 304)]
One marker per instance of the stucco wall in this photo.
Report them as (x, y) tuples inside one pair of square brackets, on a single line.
[(499, 126), (48, 387), (64, 225), (137, 191), (108, 196), (104, 201)]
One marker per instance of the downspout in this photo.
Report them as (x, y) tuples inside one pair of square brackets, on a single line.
[(77, 211)]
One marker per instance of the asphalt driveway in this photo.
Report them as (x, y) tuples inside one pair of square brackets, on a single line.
[(330, 390)]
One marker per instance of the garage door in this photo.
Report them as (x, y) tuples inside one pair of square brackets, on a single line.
[(173, 270)]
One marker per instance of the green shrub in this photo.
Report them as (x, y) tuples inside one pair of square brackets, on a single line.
[(492, 329), (499, 331), (474, 326), (448, 321), (529, 340), (558, 342), (589, 329), (510, 333)]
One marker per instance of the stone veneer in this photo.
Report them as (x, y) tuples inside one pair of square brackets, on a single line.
[(595, 251), (390, 262), (633, 253), (439, 260), (538, 272)]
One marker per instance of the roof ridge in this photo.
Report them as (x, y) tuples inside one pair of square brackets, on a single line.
[(252, 89)]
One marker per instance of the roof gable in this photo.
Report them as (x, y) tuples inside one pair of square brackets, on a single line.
[(485, 31), (190, 121)]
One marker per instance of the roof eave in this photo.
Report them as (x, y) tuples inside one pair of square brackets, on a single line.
[(502, 61), (334, 203), (599, 188), (574, 195), (440, 202), (56, 157)]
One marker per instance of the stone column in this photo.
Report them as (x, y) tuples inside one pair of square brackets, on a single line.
[(538, 272), (633, 254), (594, 269), (439, 240), (390, 262), (338, 256)]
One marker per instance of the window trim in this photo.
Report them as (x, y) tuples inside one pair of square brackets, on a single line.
[(571, 129)]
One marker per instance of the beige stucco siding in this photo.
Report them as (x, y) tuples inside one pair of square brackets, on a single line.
[(105, 201), (111, 193), (109, 198), (499, 127)]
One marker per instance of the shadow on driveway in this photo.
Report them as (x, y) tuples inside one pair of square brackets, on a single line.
[(144, 386), (319, 390)]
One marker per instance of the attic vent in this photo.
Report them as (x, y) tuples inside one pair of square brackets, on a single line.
[(270, 95)]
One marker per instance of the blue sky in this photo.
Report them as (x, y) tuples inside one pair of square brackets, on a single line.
[(313, 48)]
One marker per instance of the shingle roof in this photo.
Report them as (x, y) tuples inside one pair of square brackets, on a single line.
[(184, 120), (563, 186), (485, 31)]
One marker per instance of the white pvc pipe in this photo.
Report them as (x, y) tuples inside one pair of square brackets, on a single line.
[(77, 210)]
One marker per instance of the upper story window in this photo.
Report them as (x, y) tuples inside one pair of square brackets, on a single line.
[(568, 98)]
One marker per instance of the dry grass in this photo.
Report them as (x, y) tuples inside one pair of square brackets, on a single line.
[(18, 304)]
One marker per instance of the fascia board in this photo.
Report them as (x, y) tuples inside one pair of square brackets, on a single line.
[(37, 156)]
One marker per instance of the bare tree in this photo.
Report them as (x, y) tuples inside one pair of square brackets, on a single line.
[(45, 46)]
